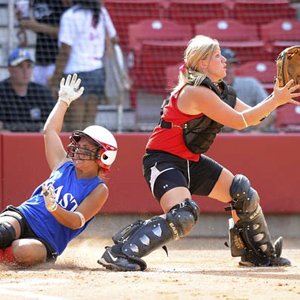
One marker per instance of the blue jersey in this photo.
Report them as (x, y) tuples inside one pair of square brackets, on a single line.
[(70, 192)]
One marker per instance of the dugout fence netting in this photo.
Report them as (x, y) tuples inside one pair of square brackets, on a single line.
[(153, 35)]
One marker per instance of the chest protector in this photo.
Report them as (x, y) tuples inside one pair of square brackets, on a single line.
[(199, 133)]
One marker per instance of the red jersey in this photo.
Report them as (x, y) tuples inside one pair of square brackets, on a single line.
[(171, 139)]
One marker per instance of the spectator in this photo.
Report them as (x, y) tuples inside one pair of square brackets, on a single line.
[(24, 105), (82, 41), (45, 23), (247, 88)]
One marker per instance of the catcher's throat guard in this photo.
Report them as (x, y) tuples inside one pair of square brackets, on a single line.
[(288, 65)]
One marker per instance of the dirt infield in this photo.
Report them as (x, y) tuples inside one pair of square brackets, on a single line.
[(196, 268)]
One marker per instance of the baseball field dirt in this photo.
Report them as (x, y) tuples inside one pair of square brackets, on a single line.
[(196, 268)]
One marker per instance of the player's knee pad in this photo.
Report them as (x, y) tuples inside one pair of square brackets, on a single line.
[(183, 217), (244, 198), (143, 238), (7, 234)]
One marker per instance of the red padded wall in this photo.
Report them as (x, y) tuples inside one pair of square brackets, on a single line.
[(23, 166), (270, 161)]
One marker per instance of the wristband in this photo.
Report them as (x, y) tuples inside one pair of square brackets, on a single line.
[(82, 218)]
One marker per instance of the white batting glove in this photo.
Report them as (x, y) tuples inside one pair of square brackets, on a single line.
[(49, 197), (69, 89)]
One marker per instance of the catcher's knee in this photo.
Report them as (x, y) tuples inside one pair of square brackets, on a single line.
[(7, 235), (245, 199), (182, 217)]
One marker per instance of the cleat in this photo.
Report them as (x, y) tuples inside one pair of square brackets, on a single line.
[(251, 260), (271, 262), (118, 262), (280, 262)]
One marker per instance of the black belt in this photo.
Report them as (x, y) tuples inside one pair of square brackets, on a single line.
[(164, 124)]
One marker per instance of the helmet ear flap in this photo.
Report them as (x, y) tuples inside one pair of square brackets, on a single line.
[(107, 158)]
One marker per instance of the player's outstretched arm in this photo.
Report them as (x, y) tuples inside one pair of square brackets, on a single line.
[(69, 91)]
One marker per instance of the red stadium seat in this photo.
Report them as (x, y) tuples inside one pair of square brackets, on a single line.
[(242, 38), (155, 56), (156, 30), (280, 34), (288, 118), (264, 71), (155, 44), (248, 50), (196, 11), (171, 75), (262, 11), (126, 12), (227, 30)]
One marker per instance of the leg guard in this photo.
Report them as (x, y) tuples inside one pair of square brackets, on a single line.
[(127, 231), (250, 237), (141, 238), (7, 235), (177, 223)]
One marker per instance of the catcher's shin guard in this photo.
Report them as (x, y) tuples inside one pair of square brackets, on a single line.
[(178, 222), (141, 238), (127, 231), (250, 237)]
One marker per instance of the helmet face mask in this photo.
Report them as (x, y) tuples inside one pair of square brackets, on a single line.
[(105, 150), (75, 151)]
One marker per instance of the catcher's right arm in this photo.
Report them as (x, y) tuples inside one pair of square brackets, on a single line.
[(288, 65)]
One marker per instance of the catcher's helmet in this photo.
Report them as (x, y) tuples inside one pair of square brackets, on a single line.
[(102, 138)]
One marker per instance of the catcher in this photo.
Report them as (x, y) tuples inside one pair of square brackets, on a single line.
[(64, 204), (175, 166)]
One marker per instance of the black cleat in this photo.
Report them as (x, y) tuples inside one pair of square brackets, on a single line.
[(246, 261), (250, 260), (119, 262)]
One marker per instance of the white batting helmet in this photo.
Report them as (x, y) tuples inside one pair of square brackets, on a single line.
[(102, 138)]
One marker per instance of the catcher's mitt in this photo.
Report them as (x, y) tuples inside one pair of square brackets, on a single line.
[(288, 65)]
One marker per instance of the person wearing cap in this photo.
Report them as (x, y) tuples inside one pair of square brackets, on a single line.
[(24, 105), (61, 207), (44, 22), (247, 88)]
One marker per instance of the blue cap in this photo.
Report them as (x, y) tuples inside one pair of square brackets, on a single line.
[(19, 55)]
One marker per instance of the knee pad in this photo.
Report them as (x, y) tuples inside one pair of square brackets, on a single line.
[(182, 217), (7, 235), (245, 199)]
